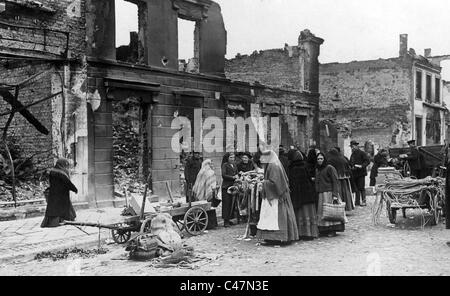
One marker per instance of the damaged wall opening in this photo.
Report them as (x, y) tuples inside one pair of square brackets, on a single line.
[(130, 148), (127, 32), (188, 46)]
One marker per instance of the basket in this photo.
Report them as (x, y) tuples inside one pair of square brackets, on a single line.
[(334, 212)]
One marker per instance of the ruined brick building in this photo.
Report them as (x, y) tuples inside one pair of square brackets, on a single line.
[(68, 50), (385, 101)]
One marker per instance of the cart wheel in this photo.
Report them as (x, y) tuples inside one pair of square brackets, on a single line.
[(392, 213), (120, 236), (195, 220), (146, 226)]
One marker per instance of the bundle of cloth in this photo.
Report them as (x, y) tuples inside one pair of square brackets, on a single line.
[(163, 240)]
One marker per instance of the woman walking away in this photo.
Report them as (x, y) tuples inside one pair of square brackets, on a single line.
[(342, 166), (59, 206), (277, 218), (205, 183), (327, 185), (229, 175), (303, 196)]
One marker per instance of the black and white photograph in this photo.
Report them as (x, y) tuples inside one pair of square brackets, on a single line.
[(224, 138)]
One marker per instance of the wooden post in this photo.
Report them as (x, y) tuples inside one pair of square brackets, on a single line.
[(169, 191), (447, 196), (145, 197)]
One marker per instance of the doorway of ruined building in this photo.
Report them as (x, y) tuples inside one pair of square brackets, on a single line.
[(328, 136), (131, 152), (293, 132), (187, 102)]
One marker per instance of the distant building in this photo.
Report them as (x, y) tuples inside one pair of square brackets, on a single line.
[(383, 102)]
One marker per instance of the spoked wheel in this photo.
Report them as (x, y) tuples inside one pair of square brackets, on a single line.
[(195, 220), (146, 226), (120, 236)]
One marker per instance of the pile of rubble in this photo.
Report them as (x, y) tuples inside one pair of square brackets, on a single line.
[(31, 190)]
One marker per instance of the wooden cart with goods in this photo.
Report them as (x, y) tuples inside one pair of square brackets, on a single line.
[(191, 217), (433, 159), (407, 193)]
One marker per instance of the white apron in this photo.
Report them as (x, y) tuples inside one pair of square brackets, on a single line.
[(268, 218)]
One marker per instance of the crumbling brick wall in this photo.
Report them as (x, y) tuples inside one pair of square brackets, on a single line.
[(276, 67), (31, 40), (30, 140)]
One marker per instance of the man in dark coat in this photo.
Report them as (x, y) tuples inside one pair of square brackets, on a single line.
[(414, 160), (358, 163), (193, 166)]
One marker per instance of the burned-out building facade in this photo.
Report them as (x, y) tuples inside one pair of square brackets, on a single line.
[(61, 60), (383, 102)]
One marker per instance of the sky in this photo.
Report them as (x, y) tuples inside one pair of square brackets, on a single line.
[(352, 29)]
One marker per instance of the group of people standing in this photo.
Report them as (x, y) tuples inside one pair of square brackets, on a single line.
[(296, 187)]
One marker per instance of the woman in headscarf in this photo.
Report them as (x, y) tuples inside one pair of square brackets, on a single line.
[(342, 166), (277, 218), (311, 164), (205, 183), (229, 175), (59, 206), (327, 185), (303, 196)]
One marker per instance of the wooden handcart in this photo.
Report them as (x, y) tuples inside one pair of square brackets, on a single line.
[(192, 217), (430, 197)]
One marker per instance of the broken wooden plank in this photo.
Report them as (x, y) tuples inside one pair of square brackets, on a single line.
[(9, 98)]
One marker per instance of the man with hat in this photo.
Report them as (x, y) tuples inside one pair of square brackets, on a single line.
[(246, 164), (414, 160), (358, 163)]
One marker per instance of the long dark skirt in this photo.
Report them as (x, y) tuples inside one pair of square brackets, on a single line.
[(346, 194), (325, 226), (306, 217), (227, 203), (287, 225), (51, 221)]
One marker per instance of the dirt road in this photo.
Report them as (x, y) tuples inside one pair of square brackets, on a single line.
[(363, 249)]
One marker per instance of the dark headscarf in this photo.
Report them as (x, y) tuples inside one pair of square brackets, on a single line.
[(312, 157), (62, 165), (294, 155), (325, 161), (226, 157), (338, 161)]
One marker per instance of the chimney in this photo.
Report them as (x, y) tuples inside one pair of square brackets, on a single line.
[(309, 46), (403, 44), (427, 52)]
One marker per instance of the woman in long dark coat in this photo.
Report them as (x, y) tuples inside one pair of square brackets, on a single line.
[(342, 166), (303, 196), (379, 161), (59, 206), (327, 186)]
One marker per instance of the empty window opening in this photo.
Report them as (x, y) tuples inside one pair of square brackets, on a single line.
[(428, 86), (188, 46), (419, 85), (127, 29), (437, 96)]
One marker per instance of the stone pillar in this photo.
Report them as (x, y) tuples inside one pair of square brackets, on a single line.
[(309, 46), (158, 24), (212, 42), (101, 29)]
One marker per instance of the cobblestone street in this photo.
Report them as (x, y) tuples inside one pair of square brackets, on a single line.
[(363, 249)]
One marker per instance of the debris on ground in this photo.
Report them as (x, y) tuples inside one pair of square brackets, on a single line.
[(163, 240), (64, 254)]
